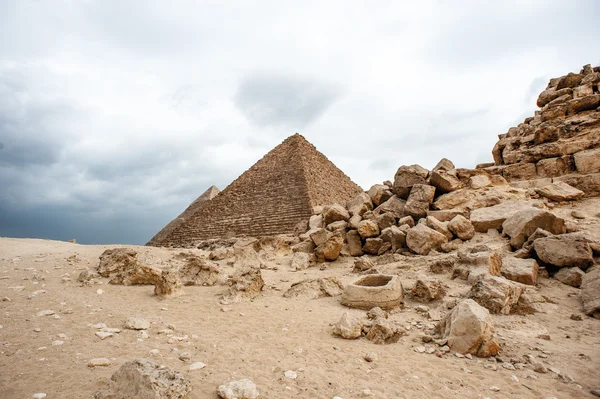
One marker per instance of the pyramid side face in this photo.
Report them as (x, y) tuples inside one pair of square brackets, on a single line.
[(159, 238), (327, 184), (269, 198)]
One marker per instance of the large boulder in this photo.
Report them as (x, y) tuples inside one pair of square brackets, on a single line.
[(492, 217), (379, 193), (394, 236), (319, 236), (443, 181), (372, 245), (368, 228), (523, 223), (440, 227), (524, 271), (335, 213), (590, 292), (496, 294), (330, 249), (122, 266), (354, 243), (406, 177), (469, 330), (360, 204), (422, 240), (394, 205), (588, 161), (572, 276), (385, 220), (560, 191), (143, 379), (420, 198), (461, 227), (565, 250), (444, 164), (315, 222)]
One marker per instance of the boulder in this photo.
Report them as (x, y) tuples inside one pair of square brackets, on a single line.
[(305, 247), (444, 164), (354, 243), (330, 249), (315, 222), (583, 104), (590, 292), (315, 288), (440, 227), (551, 94), (443, 181), (524, 271), (340, 225), (168, 283), (461, 227), (492, 217), (406, 177), (395, 236), (384, 331), (569, 81), (394, 205), (572, 276), (197, 271), (335, 213), (143, 379), (368, 228), (360, 204), (372, 245), (354, 221), (496, 294), (246, 284), (122, 266), (427, 290), (419, 200), (300, 261), (469, 329), (379, 193), (319, 236), (408, 220), (481, 256), (479, 181), (422, 240), (560, 191), (385, 220), (522, 224), (241, 389), (565, 250), (374, 290), (349, 326)]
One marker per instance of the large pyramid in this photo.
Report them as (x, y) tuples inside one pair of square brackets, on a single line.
[(189, 211), (270, 198)]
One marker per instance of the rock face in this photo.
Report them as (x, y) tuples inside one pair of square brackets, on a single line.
[(422, 240), (560, 191), (469, 330), (241, 389), (144, 379), (590, 292), (566, 250), (524, 271), (316, 288), (374, 290), (496, 294), (523, 223)]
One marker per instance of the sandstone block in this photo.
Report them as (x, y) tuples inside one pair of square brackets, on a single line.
[(419, 200), (588, 161), (560, 191), (360, 204), (522, 224), (440, 227), (349, 326), (479, 181), (395, 236), (590, 292), (394, 205), (372, 245), (427, 290), (524, 271), (443, 181), (565, 250), (406, 177), (354, 243), (335, 213), (385, 220), (572, 276), (461, 227), (330, 249), (368, 228), (569, 81), (583, 104), (492, 217), (315, 222), (319, 236), (422, 240), (496, 294), (550, 94), (525, 171), (379, 193)]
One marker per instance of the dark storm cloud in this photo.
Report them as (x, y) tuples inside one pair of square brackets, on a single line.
[(269, 99)]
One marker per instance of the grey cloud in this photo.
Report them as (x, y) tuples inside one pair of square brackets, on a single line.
[(270, 99)]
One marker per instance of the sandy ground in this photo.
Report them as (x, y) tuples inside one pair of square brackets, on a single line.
[(262, 339)]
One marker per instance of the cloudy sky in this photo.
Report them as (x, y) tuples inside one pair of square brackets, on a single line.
[(115, 115)]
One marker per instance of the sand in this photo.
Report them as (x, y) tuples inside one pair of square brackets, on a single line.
[(262, 339)]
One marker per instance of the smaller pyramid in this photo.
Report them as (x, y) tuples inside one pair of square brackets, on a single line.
[(179, 220)]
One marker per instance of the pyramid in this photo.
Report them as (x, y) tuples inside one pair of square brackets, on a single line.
[(270, 198), (189, 211)]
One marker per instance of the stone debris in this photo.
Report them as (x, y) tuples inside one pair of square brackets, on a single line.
[(524, 223), (422, 240), (572, 276), (197, 271), (496, 294), (241, 389), (590, 292), (197, 366), (349, 326), (566, 250), (560, 191), (524, 271), (245, 285), (315, 288), (141, 378), (427, 290), (136, 323)]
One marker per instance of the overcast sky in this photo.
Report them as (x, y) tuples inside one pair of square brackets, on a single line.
[(115, 115)]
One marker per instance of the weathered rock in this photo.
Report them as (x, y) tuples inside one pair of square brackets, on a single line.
[(419, 200), (330, 249), (197, 271), (522, 224), (168, 283), (440, 227), (385, 220), (427, 290), (368, 228), (241, 389), (144, 379), (395, 236), (384, 331), (444, 164), (300, 261), (422, 240), (305, 247), (349, 326), (372, 245), (320, 236), (354, 243), (362, 264), (218, 253), (451, 245), (496, 294), (560, 191), (246, 284), (354, 221), (569, 81), (335, 213), (583, 104), (588, 161), (122, 266), (360, 204), (524, 271), (440, 266), (565, 250), (479, 181), (461, 227), (590, 292), (136, 323), (572, 276), (394, 205), (406, 177), (315, 288), (379, 193), (443, 181), (340, 225), (315, 222), (444, 215), (375, 290), (551, 94), (492, 217), (469, 329)]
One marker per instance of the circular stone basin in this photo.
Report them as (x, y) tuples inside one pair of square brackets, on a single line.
[(373, 290)]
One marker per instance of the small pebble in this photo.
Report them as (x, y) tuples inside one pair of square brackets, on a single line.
[(40, 395), (291, 374), (197, 366), (494, 388), (103, 335), (99, 362), (57, 343), (576, 317), (419, 349), (371, 357)]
